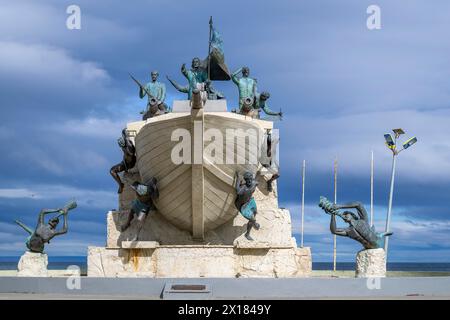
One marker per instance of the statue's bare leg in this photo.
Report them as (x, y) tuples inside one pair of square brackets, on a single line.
[(272, 179), (251, 224), (114, 171)]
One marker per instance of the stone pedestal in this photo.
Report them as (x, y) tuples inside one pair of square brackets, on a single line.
[(33, 264), (197, 261), (371, 263), (165, 251)]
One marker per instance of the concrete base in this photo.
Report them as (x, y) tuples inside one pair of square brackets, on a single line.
[(32, 264), (197, 261), (371, 263)]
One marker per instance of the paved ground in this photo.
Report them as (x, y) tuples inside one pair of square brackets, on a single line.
[(220, 288)]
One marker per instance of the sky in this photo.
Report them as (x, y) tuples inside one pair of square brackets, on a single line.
[(65, 95)]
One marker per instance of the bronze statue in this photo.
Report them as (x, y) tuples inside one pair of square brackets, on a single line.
[(359, 228), (142, 205), (129, 159), (245, 202), (246, 86), (261, 104), (195, 76), (156, 94), (45, 232)]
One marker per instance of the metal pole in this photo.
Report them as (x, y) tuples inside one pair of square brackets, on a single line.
[(391, 193), (371, 190), (303, 200), (335, 202)]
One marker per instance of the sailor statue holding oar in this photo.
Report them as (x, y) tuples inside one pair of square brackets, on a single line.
[(45, 232)]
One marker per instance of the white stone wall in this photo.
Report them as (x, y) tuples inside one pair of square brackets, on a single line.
[(199, 261)]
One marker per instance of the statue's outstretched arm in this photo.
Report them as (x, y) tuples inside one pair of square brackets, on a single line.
[(44, 212), (178, 87), (184, 71), (268, 111), (65, 227), (334, 230), (362, 213), (237, 182), (234, 76)]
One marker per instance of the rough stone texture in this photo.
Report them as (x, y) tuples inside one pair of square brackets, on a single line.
[(371, 263), (33, 264), (104, 262), (139, 244), (275, 229), (304, 261), (196, 261)]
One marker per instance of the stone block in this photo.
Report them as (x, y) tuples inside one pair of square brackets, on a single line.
[(32, 264), (371, 263)]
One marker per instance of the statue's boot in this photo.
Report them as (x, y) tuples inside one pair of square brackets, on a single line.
[(272, 179)]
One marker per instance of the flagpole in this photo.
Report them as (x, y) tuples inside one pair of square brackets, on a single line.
[(335, 202), (371, 190), (209, 47), (303, 200)]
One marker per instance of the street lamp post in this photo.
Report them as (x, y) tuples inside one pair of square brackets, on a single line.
[(392, 145)]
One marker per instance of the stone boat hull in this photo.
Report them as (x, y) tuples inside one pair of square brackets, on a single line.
[(198, 195)]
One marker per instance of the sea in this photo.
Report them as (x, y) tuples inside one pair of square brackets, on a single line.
[(63, 262)]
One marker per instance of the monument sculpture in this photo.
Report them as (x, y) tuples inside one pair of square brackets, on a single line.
[(196, 76), (245, 202), (260, 104), (128, 161), (358, 229), (247, 88), (201, 214), (211, 92), (142, 205), (156, 94), (34, 262)]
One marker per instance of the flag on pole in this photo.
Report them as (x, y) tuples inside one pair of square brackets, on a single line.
[(217, 69)]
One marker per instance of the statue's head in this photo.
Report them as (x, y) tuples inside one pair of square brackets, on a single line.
[(195, 63), (53, 222), (264, 95), (248, 178), (154, 75), (349, 216), (245, 71)]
